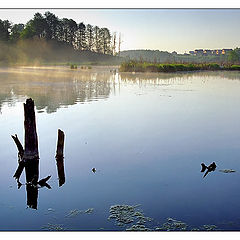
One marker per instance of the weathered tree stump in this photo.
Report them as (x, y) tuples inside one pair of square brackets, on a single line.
[(28, 157), (31, 156), (31, 139), (60, 143), (59, 158)]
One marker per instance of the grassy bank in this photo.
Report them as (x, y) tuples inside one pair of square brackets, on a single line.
[(134, 66)]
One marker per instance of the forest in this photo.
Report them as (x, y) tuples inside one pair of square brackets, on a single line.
[(19, 42)]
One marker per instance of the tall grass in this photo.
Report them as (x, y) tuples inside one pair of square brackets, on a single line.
[(134, 66)]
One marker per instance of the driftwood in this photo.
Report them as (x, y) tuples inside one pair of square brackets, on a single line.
[(59, 158)]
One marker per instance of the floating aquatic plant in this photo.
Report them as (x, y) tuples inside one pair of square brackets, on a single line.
[(89, 211), (138, 227), (54, 227), (176, 225), (227, 171), (49, 211), (172, 225), (209, 227), (76, 212), (126, 214)]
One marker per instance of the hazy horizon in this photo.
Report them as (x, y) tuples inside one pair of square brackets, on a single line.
[(180, 30)]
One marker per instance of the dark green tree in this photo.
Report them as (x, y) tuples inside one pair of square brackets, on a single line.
[(105, 41), (81, 37), (234, 56), (96, 39), (5, 27), (16, 32), (89, 37), (52, 26), (39, 25), (28, 31)]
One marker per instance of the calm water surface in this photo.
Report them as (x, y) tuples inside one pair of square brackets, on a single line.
[(146, 135)]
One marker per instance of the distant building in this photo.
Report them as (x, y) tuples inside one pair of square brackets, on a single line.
[(218, 51), (200, 52), (207, 52), (224, 51)]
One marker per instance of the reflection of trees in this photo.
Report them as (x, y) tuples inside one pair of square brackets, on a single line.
[(174, 78), (53, 88)]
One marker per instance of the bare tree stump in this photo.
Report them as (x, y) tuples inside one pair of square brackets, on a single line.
[(31, 139), (31, 156), (60, 143), (59, 157)]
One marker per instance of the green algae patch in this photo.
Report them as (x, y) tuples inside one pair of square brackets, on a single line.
[(123, 214), (126, 214), (172, 225), (138, 227), (176, 225), (209, 227), (227, 171)]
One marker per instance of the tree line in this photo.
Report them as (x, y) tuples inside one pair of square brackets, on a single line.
[(156, 56), (83, 37)]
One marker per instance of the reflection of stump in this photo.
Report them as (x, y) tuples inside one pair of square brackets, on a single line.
[(60, 169), (59, 157)]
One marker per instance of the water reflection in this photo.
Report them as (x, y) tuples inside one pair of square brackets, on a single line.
[(53, 88), (56, 87)]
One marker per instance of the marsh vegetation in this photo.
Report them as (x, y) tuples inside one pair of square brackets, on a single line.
[(135, 66)]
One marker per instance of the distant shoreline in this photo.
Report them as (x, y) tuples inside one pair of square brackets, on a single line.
[(133, 66)]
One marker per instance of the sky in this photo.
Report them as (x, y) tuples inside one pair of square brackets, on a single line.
[(169, 30)]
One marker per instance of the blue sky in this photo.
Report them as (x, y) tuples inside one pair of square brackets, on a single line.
[(170, 30)]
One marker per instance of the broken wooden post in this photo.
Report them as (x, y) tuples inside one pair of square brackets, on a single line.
[(59, 157)]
